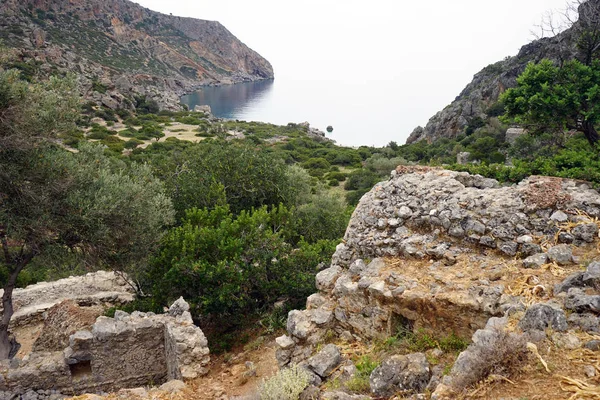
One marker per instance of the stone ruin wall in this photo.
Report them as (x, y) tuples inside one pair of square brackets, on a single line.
[(436, 216), (32, 302), (121, 352)]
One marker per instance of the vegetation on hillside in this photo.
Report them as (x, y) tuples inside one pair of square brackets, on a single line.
[(240, 215)]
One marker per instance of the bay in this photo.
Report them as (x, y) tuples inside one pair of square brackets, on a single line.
[(361, 112)]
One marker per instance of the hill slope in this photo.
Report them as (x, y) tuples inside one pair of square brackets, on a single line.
[(121, 48), (476, 101)]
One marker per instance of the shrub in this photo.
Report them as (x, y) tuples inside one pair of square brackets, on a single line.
[(133, 143), (145, 105), (325, 216), (286, 385), (503, 354), (229, 267), (99, 132)]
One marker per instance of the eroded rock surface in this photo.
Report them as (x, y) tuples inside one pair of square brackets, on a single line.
[(32, 302), (98, 287), (444, 251)]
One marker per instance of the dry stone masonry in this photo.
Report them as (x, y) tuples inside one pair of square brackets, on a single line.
[(416, 254), (129, 350), (32, 302)]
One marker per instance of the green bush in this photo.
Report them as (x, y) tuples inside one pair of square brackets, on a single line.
[(99, 132), (133, 143), (324, 216), (229, 267)]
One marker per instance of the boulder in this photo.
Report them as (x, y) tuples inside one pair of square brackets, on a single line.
[(406, 374), (542, 316), (325, 361)]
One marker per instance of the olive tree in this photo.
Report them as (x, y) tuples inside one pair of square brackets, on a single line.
[(55, 203)]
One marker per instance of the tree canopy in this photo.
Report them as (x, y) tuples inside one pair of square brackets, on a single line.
[(56, 204), (549, 98)]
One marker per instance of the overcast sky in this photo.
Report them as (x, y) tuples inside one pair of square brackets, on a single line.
[(439, 44)]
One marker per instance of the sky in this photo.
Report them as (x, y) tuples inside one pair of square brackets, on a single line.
[(434, 47)]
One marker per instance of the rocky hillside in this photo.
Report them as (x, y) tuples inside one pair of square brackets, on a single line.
[(120, 49), (476, 102), (432, 256)]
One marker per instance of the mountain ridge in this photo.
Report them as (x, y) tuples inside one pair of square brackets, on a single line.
[(477, 100), (127, 50)]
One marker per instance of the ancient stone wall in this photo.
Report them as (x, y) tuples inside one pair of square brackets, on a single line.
[(121, 352), (31, 302), (417, 254)]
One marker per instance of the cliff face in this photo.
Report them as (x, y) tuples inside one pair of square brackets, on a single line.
[(478, 96), (128, 48)]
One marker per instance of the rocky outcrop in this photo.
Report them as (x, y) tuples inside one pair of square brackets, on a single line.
[(120, 49), (442, 252), (475, 102)]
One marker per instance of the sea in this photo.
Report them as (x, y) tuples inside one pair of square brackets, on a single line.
[(360, 112)]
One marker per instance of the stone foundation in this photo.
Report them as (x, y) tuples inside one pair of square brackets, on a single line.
[(121, 352)]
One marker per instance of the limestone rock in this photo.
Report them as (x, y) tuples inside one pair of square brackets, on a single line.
[(325, 361), (285, 342), (579, 302), (542, 316), (561, 254), (172, 386), (586, 232), (399, 373), (326, 278), (535, 261)]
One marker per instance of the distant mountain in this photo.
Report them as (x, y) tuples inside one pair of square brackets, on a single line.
[(120, 49), (475, 104)]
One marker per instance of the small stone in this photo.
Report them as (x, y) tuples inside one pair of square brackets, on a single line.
[(580, 302), (178, 307), (561, 254), (404, 212), (298, 324), (572, 281), (456, 231), (326, 278), (172, 386), (487, 241), (589, 371), (559, 216), (310, 393), (565, 237), (535, 261), (400, 373), (566, 341), (325, 361), (346, 336), (509, 248), (524, 239), (585, 232), (530, 249), (285, 342), (593, 345), (591, 277), (321, 316)]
